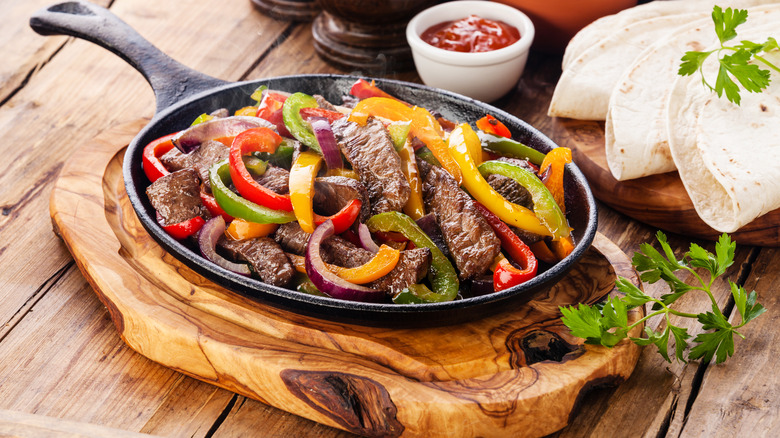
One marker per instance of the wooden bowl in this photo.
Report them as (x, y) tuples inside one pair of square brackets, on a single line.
[(557, 21)]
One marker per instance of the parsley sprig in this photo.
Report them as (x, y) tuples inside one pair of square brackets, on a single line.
[(735, 65), (606, 323)]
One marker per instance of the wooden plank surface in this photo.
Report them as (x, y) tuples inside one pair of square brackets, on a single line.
[(62, 357)]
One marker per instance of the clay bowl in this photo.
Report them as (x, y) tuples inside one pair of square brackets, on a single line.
[(557, 21), (366, 35)]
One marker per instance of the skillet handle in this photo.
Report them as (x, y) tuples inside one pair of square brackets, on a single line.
[(171, 81)]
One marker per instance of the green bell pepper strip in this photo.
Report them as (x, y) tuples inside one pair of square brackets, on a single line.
[(299, 128), (510, 148), (441, 274), (236, 206), (545, 207)]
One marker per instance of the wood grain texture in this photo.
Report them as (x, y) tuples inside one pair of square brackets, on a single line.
[(657, 200), (37, 426), (492, 376), (742, 396)]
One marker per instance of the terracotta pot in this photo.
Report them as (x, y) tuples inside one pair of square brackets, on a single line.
[(556, 21)]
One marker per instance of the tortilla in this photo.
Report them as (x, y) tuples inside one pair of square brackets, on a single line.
[(636, 133), (585, 86), (728, 156)]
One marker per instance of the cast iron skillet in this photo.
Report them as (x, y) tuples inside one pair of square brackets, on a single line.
[(182, 94)]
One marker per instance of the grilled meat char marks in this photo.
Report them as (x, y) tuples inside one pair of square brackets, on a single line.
[(275, 179), (412, 265), (176, 196), (201, 159), (332, 193), (265, 256), (471, 241), (371, 153)]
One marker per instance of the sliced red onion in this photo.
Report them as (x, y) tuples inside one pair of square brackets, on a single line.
[(326, 139), (364, 234), (207, 241), (328, 282), (191, 138)]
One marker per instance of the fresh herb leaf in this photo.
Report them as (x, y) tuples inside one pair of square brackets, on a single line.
[(735, 67), (606, 323)]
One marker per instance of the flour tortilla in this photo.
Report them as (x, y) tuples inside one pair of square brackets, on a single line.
[(728, 156), (585, 86), (636, 132), (602, 28)]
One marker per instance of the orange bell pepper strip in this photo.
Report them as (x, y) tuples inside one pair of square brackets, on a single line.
[(380, 265), (240, 229), (478, 187), (491, 125), (562, 247), (302, 174), (424, 126), (364, 90), (555, 161), (543, 253), (255, 140)]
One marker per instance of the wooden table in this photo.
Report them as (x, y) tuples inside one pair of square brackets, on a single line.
[(63, 367)]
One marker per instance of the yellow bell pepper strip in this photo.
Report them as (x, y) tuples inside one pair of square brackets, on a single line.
[(380, 265), (555, 161), (414, 207), (150, 162), (291, 114), (343, 219), (545, 208), (240, 229), (491, 125), (202, 118), (441, 273), (255, 140), (348, 173), (510, 148), (302, 174), (478, 187), (238, 207), (423, 126), (250, 111)]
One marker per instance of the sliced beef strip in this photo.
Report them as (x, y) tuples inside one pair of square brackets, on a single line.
[(275, 179), (511, 190), (519, 162), (412, 267), (176, 196), (334, 250), (332, 193), (265, 256), (201, 159), (471, 241), (371, 153), (324, 104), (292, 238)]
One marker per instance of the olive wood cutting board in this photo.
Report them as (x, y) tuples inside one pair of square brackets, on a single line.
[(518, 373), (658, 200)]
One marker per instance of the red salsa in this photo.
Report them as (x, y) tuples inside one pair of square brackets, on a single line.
[(471, 34)]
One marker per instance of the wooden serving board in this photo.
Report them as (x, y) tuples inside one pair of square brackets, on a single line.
[(657, 200), (518, 373)]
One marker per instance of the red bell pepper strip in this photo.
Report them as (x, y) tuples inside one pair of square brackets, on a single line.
[(213, 207), (505, 274), (183, 229), (491, 125), (343, 219), (255, 140), (270, 109), (363, 90), (332, 116), (150, 161)]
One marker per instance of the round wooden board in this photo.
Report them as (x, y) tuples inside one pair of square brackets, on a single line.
[(518, 373), (658, 200)]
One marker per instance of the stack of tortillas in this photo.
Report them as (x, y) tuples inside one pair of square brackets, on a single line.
[(623, 69)]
